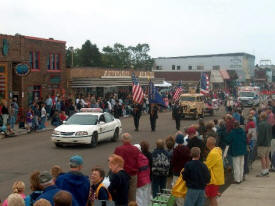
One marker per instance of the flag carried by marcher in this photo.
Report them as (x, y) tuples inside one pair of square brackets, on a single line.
[(178, 92), (154, 95), (204, 88), (137, 91)]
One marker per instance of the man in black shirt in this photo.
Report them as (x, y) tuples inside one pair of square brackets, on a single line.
[(137, 109), (196, 176), (194, 141)]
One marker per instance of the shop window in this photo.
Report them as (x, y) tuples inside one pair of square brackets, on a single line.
[(34, 60), (189, 67), (53, 62), (173, 67), (178, 67), (36, 92), (200, 67)]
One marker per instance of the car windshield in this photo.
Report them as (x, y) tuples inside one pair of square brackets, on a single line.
[(82, 119), (187, 98), (246, 94)]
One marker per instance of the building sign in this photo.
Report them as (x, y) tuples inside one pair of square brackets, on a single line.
[(126, 74), (235, 63), (55, 80), (5, 48), (22, 69)]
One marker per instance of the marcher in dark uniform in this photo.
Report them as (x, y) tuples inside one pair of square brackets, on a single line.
[(116, 110), (137, 109), (153, 111), (177, 115)]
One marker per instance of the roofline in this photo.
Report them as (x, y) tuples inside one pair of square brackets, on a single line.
[(44, 39), (209, 55)]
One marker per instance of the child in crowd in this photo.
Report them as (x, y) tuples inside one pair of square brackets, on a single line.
[(29, 120)]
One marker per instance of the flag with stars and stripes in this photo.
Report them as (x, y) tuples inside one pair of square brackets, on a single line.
[(204, 89), (137, 91)]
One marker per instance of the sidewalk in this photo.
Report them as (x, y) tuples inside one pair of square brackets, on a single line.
[(20, 132), (255, 191)]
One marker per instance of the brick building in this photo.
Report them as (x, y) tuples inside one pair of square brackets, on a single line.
[(44, 62)]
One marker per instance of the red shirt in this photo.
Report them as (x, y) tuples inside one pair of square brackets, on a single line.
[(62, 117), (130, 155), (250, 124)]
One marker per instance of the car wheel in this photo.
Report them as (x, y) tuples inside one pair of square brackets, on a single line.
[(94, 140), (116, 135), (58, 144), (202, 115)]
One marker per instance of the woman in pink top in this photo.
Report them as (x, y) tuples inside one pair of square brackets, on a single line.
[(19, 188)]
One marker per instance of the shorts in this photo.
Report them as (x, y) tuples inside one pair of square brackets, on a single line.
[(212, 190), (263, 151)]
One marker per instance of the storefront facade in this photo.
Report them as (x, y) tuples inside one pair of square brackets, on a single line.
[(101, 81), (31, 68)]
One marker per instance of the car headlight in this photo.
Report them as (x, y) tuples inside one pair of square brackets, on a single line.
[(81, 133), (56, 132)]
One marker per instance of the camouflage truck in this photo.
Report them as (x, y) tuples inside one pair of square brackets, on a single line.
[(192, 105)]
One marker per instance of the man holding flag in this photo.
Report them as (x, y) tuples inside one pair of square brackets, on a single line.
[(155, 99), (176, 114), (138, 97)]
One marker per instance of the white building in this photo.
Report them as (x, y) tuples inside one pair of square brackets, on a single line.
[(242, 63)]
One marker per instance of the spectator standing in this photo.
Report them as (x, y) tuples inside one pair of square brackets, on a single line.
[(63, 198), (130, 154), (181, 155), (237, 149), (18, 188), (264, 143), (119, 180), (194, 141), (97, 189), (143, 194), (145, 150), (5, 113), (196, 176), (49, 105), (214, 162), (35, 187), (43, 116), (221, 132), (160, 167), (42, 202), (75, 182)]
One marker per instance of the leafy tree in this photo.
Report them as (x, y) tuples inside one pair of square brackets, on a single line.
[(89, 55)]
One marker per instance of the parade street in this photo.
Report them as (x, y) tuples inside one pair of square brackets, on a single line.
[(21, 155)]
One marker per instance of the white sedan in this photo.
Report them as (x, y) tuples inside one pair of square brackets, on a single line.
[(87, 127)]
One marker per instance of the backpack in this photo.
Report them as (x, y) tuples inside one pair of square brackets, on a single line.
[(160, 164)]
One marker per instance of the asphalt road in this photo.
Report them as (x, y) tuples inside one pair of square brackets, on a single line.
[(21, 155)]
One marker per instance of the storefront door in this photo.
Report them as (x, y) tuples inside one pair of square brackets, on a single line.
[(4, 81)]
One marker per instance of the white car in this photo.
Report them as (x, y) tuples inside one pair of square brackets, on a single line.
[(87, 127)]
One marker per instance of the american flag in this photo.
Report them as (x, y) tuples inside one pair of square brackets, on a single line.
[(177, 93), (204, 83), (137, 91)]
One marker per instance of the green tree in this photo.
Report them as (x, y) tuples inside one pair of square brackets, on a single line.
[(89, 55)]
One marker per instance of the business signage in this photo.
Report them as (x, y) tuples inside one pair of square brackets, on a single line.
[(22, 69)]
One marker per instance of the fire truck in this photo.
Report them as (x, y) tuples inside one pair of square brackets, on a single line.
[(249, 96)]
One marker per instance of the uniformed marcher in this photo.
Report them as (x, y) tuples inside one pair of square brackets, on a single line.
[(153, 111), (177, 115), (137, 110)]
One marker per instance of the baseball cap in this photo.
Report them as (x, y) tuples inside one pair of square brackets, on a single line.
[(76, 160), (191, 131), (44, 177), (179, 139)]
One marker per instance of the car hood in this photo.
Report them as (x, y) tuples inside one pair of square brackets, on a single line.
[(191, 104), (73, 128), (245, 98)]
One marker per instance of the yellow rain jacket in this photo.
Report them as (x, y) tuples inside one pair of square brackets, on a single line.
[(214, 162)]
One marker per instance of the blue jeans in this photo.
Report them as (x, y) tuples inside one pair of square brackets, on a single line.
[(12, 121), (42, 124), (158, 184), (194, 197)]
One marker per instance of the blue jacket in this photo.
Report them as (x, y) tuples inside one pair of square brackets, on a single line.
[(77, 184), (29, 200), (237, 142), (50, 192)]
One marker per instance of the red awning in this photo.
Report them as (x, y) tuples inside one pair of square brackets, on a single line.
[(224, 74)]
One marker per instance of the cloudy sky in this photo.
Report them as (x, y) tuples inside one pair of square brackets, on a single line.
[(170, 27)]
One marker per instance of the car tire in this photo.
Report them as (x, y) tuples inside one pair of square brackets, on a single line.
[(58, 144), (94, 140), (116, 135), (202, 115), (196, 116)]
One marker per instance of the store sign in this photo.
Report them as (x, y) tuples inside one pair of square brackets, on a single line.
[(126, 74), (22, 69), (5, 48), (55, 80)]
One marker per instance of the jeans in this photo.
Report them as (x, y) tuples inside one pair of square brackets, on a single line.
[(194, 197), (12, 121), (158, 184), (42, 124)]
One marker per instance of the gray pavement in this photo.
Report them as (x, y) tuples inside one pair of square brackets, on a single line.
[(254, 191)]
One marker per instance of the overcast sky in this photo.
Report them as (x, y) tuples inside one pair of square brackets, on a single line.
[(170, 27)]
